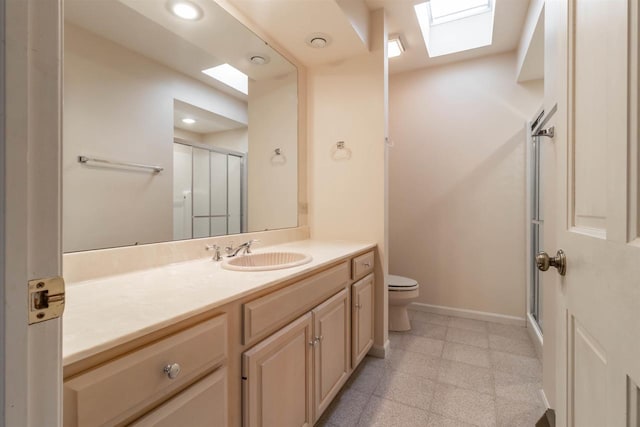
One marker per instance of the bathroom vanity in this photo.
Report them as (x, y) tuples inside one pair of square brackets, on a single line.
[(195, 344)]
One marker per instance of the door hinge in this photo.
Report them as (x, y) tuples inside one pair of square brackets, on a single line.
[(46, 299)]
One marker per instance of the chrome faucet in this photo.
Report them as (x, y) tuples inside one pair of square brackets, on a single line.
[(246, 246), (217, 256)]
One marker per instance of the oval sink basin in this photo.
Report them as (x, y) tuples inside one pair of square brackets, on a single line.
[(266, 261)]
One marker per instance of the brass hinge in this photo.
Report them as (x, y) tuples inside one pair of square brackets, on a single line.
[(46, 299)]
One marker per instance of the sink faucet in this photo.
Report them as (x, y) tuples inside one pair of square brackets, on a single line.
[(246, 246), (216, 254)]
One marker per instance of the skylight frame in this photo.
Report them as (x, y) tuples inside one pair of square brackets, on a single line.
[(479, 9)]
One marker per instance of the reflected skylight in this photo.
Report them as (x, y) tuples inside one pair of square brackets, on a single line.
[(230, 76), (449, 10)]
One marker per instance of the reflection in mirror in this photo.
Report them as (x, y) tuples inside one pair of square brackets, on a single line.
[(205, 100)]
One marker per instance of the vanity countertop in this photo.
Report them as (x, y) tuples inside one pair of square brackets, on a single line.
[(103, 313)]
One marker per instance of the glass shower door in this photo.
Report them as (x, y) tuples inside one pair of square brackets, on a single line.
[(537, 224)]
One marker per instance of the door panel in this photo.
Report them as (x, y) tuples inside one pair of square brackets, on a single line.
[(362, 319), (590, 377), (331, 352), (587, 72), (277, 376)]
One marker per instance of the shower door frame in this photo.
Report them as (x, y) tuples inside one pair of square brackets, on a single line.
[(243, 181)]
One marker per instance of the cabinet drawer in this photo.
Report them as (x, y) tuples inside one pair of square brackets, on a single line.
[(268, 313), (362, 265), (204, 404), (120, 389)]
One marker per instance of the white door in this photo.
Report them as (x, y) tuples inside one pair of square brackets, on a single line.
[(591, 72), (30, 232)]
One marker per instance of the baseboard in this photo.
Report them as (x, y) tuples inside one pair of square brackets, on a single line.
[(380, 351), (535, 334), (469, 314), (544, 399)]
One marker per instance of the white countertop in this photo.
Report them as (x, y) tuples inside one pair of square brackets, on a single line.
[(103, 313)]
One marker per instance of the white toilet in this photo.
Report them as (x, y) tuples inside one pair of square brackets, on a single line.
[(402, 291)]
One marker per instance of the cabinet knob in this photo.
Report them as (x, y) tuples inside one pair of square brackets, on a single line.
[(358, 305), (172, 370), (366, 264)]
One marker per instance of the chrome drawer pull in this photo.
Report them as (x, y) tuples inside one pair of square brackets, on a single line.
[(172, 370)]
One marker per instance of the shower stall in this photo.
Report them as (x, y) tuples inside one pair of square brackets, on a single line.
[(209, 191)]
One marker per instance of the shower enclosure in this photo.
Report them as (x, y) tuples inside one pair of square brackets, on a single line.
[(209, 188)]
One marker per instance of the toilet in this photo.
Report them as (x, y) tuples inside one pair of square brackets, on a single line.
[(402, 291)]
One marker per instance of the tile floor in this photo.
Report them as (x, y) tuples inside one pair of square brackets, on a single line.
[(445, 372)]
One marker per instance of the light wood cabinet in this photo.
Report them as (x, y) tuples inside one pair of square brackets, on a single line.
[(124, 388), (277, 378), (332, 349), (204, 404), (362, 296)]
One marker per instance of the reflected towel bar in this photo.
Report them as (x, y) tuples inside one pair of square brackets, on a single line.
[(155, 169)]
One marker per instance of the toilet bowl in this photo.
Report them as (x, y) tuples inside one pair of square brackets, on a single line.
[(402, 291)]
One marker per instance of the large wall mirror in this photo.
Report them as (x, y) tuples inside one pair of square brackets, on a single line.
[(179, 123)]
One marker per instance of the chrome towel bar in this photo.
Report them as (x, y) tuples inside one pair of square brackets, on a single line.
[(85, 159)]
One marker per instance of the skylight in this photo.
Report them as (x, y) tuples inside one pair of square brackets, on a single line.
[(230, 76), (450, 26), (450, 10)]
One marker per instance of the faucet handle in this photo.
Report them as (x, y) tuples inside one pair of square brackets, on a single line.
[(249, 243), (216, 248)]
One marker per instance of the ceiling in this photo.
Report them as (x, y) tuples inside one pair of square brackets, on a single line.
[(206, 121), (290, 22), (148, 28)]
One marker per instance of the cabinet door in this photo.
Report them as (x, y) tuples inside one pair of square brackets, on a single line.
[(362, 318), (331, 349), (203, 404), (277, 376)]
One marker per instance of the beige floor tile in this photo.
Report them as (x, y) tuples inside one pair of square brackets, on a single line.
[(366, 378), (346, 408), (464, 405), (469, 337), (434, 318), (509, 331), (470, 324), (381, 412), (466, 354), (407, 389), (514, 414), (516, 365), (512, 345), (428, 330), (413, 363), (466, 376), (423, 345), (436, 420), (518, 388)]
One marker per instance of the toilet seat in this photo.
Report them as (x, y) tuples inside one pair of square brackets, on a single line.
[(401, 284)]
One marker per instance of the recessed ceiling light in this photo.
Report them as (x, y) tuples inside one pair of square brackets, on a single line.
[(395, 47), (188, 121), (185, 10), (230, 76), (318, 40), (259, 59)]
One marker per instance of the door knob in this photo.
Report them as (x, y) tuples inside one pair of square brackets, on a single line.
[(544, 261)]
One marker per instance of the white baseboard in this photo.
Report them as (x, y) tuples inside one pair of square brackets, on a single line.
[(544, 399), (535, 335), (469, 314), (380, 351)]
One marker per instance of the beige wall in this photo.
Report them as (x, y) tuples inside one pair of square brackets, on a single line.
[(347, 197), (119, 105), (457, 182), (234, 139), (273, 181)]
